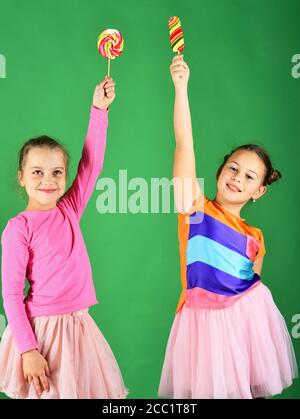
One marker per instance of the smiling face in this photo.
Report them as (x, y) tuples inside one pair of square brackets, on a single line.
[(44, 177), (241, 178)]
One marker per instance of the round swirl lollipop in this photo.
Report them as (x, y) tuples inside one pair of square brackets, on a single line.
[(110, 45)]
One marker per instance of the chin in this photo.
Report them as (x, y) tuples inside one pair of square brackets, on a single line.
[(47, 201), (47, 204), (232, 197)]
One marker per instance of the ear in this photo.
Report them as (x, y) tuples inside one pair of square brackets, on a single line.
[(262, 190), (20, 177)]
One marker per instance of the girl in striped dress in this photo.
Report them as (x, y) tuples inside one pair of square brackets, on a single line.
[(228, 338)]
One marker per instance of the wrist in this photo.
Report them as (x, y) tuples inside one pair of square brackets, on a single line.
[(102, 108), (181, 90), (28, 353)]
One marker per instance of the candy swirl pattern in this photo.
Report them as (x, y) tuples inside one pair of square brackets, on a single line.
[(176, 34), (110, 43)]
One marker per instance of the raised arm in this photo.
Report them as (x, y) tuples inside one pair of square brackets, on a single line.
[(91, 162), (186, 187)]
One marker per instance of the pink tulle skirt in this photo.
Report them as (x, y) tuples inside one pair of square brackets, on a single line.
[(81, 363), (240, 352)]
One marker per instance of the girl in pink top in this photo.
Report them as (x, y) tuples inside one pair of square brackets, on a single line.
[(52, 348)]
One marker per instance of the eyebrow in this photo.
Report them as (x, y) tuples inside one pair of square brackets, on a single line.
[(38, 167), (232, 161)]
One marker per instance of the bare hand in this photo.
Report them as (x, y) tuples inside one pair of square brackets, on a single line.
[(104, 93), (180, 71), (35, 368)]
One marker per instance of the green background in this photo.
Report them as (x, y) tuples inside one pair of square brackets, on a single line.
[(241, 90)]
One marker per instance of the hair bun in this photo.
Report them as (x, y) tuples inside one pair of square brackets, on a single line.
[(274, 176)]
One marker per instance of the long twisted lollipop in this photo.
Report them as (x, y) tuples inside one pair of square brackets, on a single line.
[(176, 34)]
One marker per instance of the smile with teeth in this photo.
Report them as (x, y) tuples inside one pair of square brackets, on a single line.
[(232, 188)]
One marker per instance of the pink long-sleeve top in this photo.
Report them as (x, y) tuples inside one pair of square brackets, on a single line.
[(47, 248)]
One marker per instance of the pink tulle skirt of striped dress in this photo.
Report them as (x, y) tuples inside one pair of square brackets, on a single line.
[(81, 363), (239, 352)]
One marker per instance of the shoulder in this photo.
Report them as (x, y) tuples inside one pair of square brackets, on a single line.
[(198, 205), (206, 200), (15, 227), (256, 230)]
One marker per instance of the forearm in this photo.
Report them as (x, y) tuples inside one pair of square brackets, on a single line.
[(19, 323), (15, 257), (182, 120), (95, 142), (91, 162)]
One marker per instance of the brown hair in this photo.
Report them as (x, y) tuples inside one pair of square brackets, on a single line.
[(44, 142), (271, 175)]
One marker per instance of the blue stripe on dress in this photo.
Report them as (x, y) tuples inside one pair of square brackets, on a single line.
[(210, 252), (216, 230)]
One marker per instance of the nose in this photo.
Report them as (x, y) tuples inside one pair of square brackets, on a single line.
[(235, 178), (48, 185), (48, 180)]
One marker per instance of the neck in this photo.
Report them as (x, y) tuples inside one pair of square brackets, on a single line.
[(234, 209), (31, 206)]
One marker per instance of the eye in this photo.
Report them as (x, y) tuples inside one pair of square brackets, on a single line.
[(250, 177), (58, 171), (233, 168), (36, 171)]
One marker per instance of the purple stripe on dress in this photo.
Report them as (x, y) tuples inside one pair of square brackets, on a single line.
[(201, 275), (216, 230)]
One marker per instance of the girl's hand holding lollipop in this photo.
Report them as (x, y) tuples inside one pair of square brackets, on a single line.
[(104, 93)]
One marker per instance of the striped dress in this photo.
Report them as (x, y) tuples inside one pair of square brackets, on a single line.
[(217, 253), (228, 338)]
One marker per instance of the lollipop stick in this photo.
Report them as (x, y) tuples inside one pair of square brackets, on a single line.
[(108, 67)]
